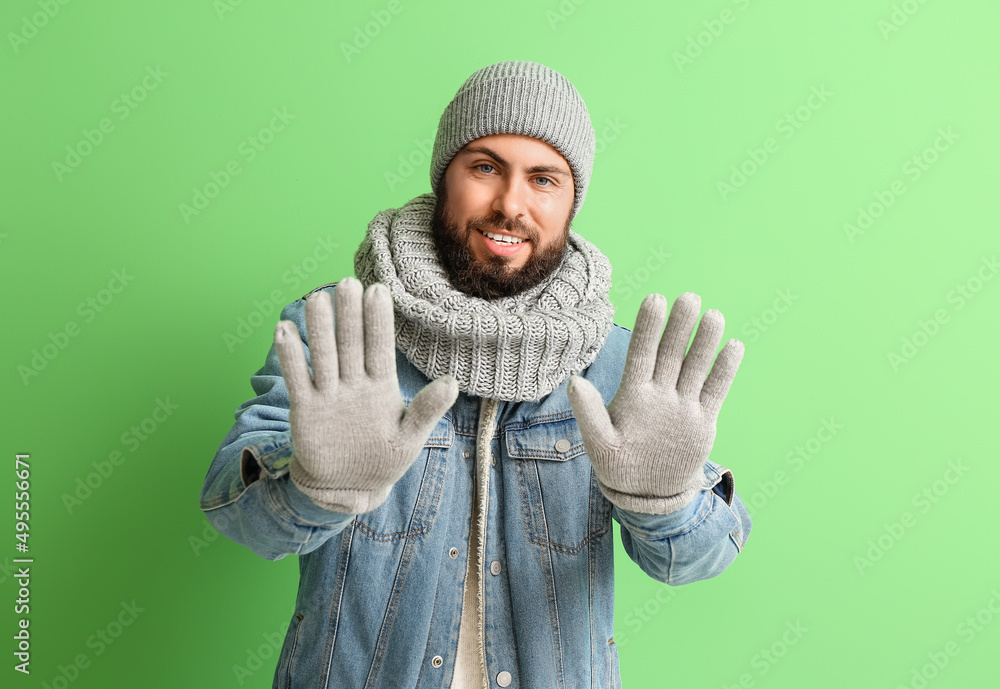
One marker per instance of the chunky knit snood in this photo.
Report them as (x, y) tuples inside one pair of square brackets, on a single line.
[(517, 348)]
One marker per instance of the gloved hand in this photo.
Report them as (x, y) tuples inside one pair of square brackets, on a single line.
[(352, 435), (649, 446)]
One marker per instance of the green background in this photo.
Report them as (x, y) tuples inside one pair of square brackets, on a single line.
[(844, 549)]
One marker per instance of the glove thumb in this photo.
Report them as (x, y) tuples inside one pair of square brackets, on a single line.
[(591, 414), (427, 408)]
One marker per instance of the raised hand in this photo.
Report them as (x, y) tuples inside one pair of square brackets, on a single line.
[(352, 435), (650, 444)]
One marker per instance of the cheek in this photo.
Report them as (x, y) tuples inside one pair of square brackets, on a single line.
[(554, 208), (552, 219), (462, 208)]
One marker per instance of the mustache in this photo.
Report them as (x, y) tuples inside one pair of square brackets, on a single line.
[(499, 222)]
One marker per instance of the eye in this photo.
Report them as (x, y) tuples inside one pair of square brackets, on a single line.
[(547, 180), (485, 165)]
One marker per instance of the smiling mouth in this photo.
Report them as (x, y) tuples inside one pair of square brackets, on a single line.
[(503, 239)]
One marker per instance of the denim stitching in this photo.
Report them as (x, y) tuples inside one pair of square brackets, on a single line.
[(417, 517), (394, 602), (291, 650), (347, 540)]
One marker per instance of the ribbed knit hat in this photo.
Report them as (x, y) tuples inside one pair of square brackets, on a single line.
[(518, 97)]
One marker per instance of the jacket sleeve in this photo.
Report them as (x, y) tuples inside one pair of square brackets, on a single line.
[(248, 494), (696, 542)]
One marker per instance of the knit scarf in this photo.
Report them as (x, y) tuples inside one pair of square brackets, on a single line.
[(517, 348)]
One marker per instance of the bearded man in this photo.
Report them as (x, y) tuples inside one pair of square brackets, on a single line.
[(445, 439)]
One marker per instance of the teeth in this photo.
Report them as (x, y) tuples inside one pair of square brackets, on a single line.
[(502, 238)]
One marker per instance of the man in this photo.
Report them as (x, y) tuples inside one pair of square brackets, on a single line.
[(445, 440)]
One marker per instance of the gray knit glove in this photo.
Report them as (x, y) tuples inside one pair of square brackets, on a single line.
[(649, 446), (352, 435)]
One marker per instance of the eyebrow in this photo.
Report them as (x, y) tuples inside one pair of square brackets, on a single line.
[(551, 169)]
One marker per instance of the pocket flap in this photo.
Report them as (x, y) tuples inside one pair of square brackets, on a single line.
[(553, 440)]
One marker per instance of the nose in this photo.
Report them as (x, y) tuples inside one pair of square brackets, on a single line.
[(511, 199)]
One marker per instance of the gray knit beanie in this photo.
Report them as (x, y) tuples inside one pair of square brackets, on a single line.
[(517, 97)]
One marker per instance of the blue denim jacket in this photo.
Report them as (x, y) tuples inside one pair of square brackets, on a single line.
[(380, 593)]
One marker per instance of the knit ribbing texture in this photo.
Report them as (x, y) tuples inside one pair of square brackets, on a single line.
[(517, 348)]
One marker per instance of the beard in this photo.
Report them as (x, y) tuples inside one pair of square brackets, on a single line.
[(492, 278)]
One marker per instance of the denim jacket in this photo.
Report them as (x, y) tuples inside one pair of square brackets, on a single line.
[(380, 593)]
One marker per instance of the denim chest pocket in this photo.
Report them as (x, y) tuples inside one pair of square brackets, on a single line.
[(414, 500), (562, 505)]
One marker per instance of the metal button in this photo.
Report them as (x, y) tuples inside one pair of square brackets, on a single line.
[(495, 567), (438, 661), (563, 445), (503, 679), (465, 454), (453, 553)]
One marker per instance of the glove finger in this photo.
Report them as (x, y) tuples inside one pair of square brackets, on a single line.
[(699, 357), (380, 338), (717, 385), (292, 360), (591, 415), (350, 329), (426, 409), (322, 347), (640, 359), (673, 345)]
